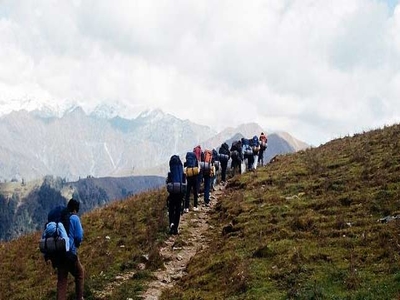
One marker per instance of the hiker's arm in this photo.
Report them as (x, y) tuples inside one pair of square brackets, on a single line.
[(77, 230)]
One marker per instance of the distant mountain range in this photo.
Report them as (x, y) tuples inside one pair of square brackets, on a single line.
[(77, 145), (45, 158)]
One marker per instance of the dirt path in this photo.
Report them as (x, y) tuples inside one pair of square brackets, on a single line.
[(193, 226), (176, 254)]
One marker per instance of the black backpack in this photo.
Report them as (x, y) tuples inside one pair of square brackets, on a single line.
[(224, 153)]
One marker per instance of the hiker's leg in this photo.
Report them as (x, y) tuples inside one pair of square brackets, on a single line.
[(223, 171), (195, 193), (62, 282), (79, 279), (177, 214), (187, 195), (207, 180), (171, 210)]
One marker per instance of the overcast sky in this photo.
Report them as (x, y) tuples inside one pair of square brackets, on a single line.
[(316, 69)]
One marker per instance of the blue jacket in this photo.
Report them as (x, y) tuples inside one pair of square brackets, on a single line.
[(75, 233)]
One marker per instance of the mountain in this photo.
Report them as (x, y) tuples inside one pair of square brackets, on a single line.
[(316, 224), (76, 144)]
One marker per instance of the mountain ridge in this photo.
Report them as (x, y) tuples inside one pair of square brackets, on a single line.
[(78, 144)]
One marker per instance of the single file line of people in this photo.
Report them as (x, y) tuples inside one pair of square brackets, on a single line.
[(203, 168)]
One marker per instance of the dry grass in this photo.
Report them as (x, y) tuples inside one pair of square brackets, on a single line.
[(116, 239), (303, 227)]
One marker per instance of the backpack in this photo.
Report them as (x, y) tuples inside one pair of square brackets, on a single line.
[(215, 159), (197, 151), (236, 150), (176, 178), (54, 243), (192, 165), (237, 145), (255, 145), (206, 164), (224, 153), (263, 142)]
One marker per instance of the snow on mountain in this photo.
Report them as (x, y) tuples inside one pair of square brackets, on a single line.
[(76, 144), (107, 111)]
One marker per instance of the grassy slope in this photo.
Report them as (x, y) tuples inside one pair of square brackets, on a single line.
[(116, 238), (305, 227)]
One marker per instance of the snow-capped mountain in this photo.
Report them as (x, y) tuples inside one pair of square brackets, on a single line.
[(101, 143)]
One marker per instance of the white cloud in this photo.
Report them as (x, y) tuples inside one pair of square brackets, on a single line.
[(317, 69)]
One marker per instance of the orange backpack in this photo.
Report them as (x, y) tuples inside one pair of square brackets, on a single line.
[(206, 164), (207, 156)]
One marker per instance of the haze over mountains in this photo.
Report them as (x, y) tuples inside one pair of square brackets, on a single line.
[(77, 144)]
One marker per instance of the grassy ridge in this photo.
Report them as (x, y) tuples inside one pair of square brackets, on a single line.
[(116, 239), (305, 227)]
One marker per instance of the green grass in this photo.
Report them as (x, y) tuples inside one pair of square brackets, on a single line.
[(303, 227)]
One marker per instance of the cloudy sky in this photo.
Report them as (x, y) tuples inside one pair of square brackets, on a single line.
[(317, 69)]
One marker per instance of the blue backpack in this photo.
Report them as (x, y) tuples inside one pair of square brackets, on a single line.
[(176, 178), (54, 243), (191, 165), (191, 160)]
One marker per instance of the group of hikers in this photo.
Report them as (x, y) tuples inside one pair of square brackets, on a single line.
[(63, 232), (202, 169)]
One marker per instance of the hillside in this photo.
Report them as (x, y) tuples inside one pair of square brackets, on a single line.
[(310, 225)]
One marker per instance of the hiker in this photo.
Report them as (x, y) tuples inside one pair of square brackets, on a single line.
[(255, 146), (216, 164), (248, 153), (263, 146), (236, 156), (224, 155), (192, 171), (198, 151), (71, 263), (176, 187), (207, 171)]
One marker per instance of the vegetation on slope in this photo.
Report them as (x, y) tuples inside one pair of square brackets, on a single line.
[(304, 227), (117, 238), (307, 226)]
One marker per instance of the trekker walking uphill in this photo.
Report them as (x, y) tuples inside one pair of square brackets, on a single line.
[(192, 171), (224, 155), (255, 146), (198, 151), (176, 187), (217, 164), (263, 146), (207, 170), (64, 226), (237, 157)]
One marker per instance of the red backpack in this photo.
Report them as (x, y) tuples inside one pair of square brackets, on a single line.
[(197, 151)]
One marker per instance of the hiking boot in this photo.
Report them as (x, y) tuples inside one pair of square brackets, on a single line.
[(207, 204), (186, 210), (195, 208), (171, 228)]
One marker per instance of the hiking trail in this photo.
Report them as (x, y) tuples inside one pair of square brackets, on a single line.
[(176, 256)]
